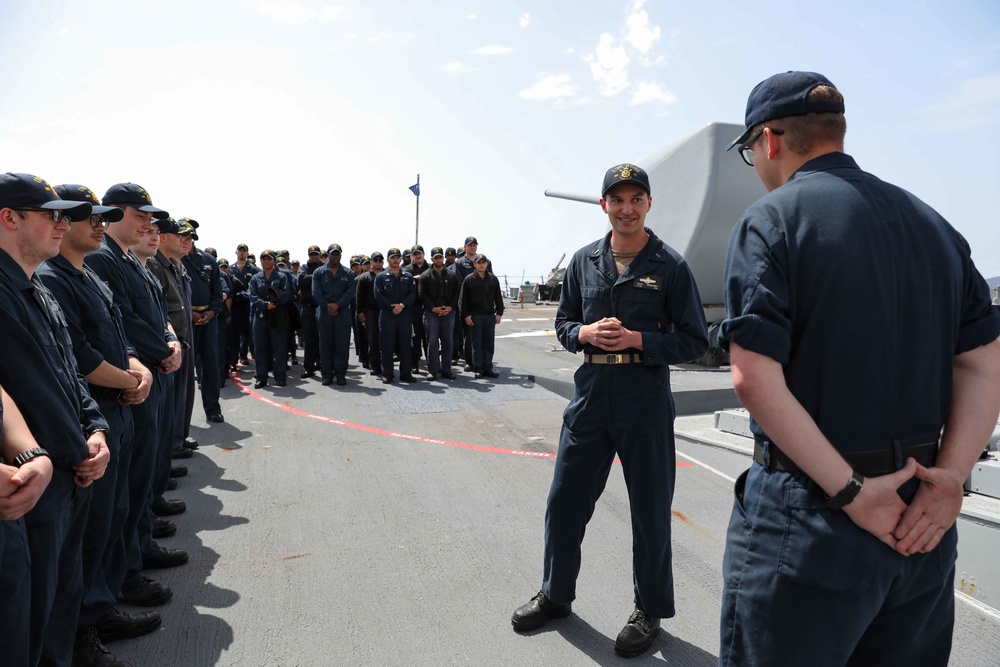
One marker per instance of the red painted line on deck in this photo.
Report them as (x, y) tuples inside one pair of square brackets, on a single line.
[(395, 434)]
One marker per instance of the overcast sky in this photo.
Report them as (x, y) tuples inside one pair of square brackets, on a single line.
[(290, 122)]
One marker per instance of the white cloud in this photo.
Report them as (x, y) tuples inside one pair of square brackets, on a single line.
[(458, 68), (288, 12), (659, 59), (651, 92), (491, 51), (639, 33), (609, 65), (551, 87), (472, 16), (524, 21), (616, 54), (332, 13)]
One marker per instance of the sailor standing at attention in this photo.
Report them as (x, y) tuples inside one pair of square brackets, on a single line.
[(115, 378), (307, 308), (242, 331), (270, 291), (333, 289), (368, 310), (206, 304), (864, 345), (147, 331), (642, 311), (395, 292)]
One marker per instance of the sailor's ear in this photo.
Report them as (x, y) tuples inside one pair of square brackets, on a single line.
[(774, 143), (8, 218)]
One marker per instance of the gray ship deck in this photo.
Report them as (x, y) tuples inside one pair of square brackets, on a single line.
[(401, 525)]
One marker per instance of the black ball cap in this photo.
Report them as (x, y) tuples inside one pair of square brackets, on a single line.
[(625, 173), (784, 95), (19, 191), (76, 192), (136, 196)]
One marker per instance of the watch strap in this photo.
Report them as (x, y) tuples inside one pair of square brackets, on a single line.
[(26, 456), (848, 493)]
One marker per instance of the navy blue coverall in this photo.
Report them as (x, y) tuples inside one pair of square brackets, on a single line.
[(167, 415), (395, 330), (334, 330), (307, 307), (366, 304), (419, 345), (269, 334), (241, 331), (176, 284), (98, 335), (206, 295), (41, 376), (864, 294), (226, 289), (624, 409), (146, 330)]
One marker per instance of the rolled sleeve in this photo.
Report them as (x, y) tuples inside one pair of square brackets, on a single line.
[(980, 318), (569, 314), (756, 291)]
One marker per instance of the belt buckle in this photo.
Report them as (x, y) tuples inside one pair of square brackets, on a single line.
[(616, 358)]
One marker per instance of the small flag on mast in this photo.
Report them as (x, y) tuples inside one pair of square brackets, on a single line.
[(415, 189)]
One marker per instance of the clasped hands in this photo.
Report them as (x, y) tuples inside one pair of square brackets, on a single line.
[(919, 526), (610, 334)]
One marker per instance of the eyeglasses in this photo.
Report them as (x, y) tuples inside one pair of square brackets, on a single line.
[(99, 221), (746, 152), (57, 216)]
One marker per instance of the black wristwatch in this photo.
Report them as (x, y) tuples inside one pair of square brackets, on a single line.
[(848, 493), (24, 457)]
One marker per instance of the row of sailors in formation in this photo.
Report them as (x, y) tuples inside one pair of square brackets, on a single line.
[(443, 309)]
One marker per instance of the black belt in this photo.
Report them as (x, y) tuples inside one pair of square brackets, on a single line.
[(627, 358), (869, 464)]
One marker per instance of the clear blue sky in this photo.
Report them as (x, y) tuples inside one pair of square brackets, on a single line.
[(293, 122)]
